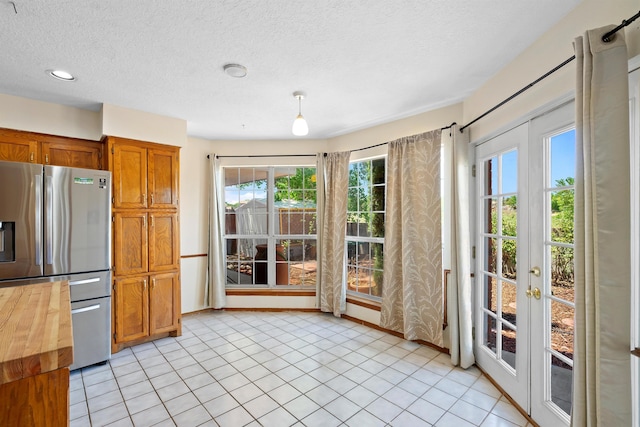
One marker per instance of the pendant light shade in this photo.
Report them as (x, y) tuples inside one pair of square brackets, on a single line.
[(300, 127)]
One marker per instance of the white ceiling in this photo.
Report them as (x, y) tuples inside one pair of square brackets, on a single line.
[(361, 62)]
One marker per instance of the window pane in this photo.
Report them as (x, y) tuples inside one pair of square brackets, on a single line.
[(377, 198), (562, 209), (509, 216), (561, 379), (562, 318), (491, 294), (377, 225), (563, 158), (491, 213), (509, 302), (489, 332), (248, 213), (509, 345), (378, 171), (491, 176), (562, 276), (510, 172), (365, 220), (491, 249), (509, 258)]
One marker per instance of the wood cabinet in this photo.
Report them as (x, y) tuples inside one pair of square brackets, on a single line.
[(164, 302), (146, 250), (164, 252), (144, 177), (87, 155), (14, 149), (146, 306), (20, 146), (145, 242), (130, 243)]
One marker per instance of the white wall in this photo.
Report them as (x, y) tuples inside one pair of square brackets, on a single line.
[(555, 46), (127, 123), (45, 117), (194, 217)]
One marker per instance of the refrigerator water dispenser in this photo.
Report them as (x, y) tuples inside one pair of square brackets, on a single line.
[(7, 241)]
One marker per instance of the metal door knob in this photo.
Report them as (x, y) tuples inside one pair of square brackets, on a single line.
[(534, 293)]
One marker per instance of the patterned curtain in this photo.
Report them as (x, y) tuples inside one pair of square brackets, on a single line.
[(332, 223), (412, 297)]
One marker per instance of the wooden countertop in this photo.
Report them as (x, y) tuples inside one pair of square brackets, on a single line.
[(36, 335)]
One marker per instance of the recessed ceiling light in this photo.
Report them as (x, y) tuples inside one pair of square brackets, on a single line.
[(235, 70), (61, 75)]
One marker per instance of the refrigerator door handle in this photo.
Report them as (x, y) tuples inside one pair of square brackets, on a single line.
[(49, 213), (38, 219)]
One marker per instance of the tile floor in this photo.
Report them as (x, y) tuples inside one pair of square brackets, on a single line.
[(282, 369)]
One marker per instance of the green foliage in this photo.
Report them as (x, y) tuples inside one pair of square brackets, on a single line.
[(562, 212), (562, 217), (291, 187)]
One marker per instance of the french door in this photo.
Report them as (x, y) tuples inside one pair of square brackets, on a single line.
[(524, 270)]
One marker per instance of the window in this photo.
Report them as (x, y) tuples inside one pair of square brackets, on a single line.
[(365, 227), (270, 226)]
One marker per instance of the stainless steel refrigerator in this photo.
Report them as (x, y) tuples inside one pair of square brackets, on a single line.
[(55, 223)]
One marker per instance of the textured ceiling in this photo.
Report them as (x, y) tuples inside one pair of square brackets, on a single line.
[(361, 62)]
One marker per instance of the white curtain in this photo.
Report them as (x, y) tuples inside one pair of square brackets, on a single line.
[(412, 297), (333, 189), (459, 301), (601, 372), (214, 293)]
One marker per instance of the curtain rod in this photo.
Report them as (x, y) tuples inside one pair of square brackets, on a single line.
[(385, 143), (266, 155), (313, 155), (605, 38)]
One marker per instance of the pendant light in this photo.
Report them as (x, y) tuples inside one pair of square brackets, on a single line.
[(300, 127)]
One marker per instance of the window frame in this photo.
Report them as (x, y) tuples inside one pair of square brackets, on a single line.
[(270, 236), (365, 239)]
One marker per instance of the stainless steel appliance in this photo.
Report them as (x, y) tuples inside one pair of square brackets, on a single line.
[(55, 224)]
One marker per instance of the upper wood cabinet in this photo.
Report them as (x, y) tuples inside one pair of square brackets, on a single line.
[(145, 175), (18, 150), (163, 179), (129, 176), (87, 155), (30, 147)]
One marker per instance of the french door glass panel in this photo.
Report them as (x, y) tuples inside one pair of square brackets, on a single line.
[(551, 200), (502, 317)]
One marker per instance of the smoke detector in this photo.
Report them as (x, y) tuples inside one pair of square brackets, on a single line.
[(235, 70)]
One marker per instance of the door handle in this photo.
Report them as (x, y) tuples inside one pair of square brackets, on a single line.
[(84, 309), (534, 293), (48, 235), (535, 271), (38, 219)]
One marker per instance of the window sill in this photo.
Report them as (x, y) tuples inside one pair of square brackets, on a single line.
[(364, 302), (271, 292)]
